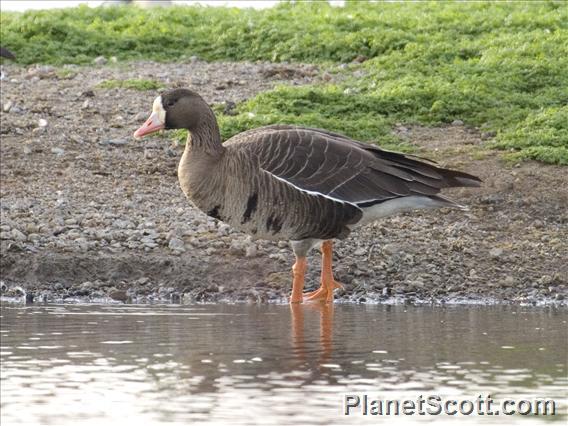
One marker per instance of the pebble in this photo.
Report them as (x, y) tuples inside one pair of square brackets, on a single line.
[(495, 252), (57, 151), (251, 251), (509, 281), (115, 142), (18, 235), (457, 123), (42, 122), (100, 60), (176, 244), (360, 252)]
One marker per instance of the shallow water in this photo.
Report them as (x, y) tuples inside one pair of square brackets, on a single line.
[(242, 364)]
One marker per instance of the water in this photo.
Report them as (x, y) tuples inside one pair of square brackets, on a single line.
[(240, 364)]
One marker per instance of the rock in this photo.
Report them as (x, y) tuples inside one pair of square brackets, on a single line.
[(100, 60), (251, 251), (176, 244), (229, 108), (8, 106), (495, 253), (87, 286), (18, 235), (457, 123), (360, 252), (115, 142), (393, 248), (236, 247), (42, 122), (119, 295), (58, 151), (509, 281), (224, 229)]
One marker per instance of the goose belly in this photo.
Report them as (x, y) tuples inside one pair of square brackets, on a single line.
[(399, 205), (261, 226), (263, 223)]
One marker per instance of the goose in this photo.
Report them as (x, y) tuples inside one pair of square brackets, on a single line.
[(306, 185)]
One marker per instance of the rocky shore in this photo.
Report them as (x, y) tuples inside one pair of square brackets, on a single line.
[(89, 214)]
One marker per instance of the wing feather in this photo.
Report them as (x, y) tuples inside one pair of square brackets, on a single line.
[(329, 164)]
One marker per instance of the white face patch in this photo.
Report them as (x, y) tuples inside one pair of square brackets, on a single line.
[(159, 110)]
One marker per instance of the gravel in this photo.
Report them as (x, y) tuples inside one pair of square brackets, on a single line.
[(88, 213)]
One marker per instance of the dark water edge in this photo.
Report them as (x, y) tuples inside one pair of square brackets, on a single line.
[(23, 297)]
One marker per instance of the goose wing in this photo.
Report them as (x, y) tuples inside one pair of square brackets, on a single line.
[(332, 165)]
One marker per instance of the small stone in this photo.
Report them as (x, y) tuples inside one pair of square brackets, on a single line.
[(229, 108), (86, 104), (86, 286), (360, 58), (58, 151), (251, 251), (140, 117), (42, 122), (509, 281), (224, 229), (100, 60), (176, 244), (495, 253), (8, 106), (119, 295), (115, 142), (457, 123), (360, 252), (236, 247), (18, 235)]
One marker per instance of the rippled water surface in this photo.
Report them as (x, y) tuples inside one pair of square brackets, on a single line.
[(237, 364)]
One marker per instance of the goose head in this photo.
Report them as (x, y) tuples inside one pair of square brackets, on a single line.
[(174, 109)]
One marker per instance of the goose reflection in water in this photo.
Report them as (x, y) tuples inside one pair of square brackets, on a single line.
[(299, 325)]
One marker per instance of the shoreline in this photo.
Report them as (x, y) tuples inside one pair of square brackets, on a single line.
[(88, 212)]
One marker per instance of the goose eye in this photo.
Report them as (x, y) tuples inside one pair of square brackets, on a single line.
[(170, 103)]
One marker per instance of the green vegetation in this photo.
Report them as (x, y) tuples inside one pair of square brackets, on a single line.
[(498, 66), (135, 84)]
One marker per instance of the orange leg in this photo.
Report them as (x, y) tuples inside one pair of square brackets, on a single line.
[(298, 270), (328, 284)]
